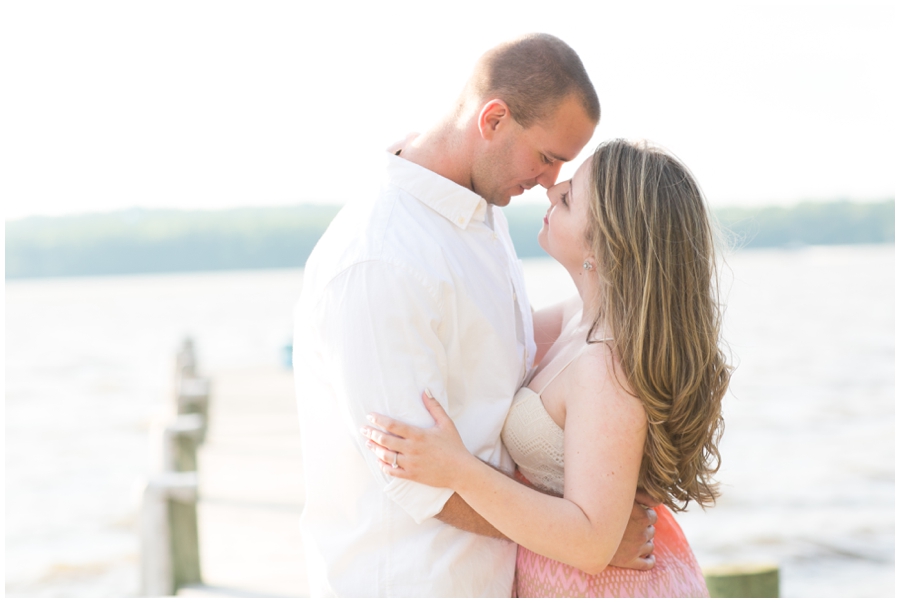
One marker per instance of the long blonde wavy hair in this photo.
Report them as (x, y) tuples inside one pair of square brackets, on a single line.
[(652, 237)]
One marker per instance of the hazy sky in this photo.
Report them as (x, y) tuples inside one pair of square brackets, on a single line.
[(107, 105)]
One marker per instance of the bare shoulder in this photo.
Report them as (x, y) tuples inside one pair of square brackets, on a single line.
[(597, 384)]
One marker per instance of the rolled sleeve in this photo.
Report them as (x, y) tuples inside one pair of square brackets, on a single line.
[(381, 349)]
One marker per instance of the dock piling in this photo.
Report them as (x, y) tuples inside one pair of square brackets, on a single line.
[(745, 581), (169, 538), (181, 438), (170, 543)]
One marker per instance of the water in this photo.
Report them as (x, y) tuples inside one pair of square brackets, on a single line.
[(808, 473), (88, 367)]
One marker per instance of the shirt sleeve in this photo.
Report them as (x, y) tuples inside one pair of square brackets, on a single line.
[(379, 334)]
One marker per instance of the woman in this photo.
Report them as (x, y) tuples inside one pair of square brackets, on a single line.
[(628, 395)]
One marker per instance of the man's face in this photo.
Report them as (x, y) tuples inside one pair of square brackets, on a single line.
[(516, 158)]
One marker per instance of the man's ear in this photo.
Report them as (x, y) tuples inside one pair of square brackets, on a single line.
[(494, 115)]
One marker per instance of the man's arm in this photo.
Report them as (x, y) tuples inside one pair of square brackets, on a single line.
[(459, 514), (634, 552), (548, 324), (378, 324)]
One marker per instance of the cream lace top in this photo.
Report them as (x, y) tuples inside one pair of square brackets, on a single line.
[(534, 441)]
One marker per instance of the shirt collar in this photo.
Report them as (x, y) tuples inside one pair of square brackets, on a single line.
[(456, 203)]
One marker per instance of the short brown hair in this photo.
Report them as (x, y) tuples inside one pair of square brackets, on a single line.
[(533, 74), (652, 235)]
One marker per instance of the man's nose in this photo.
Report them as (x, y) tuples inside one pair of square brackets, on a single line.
[(549, 175)]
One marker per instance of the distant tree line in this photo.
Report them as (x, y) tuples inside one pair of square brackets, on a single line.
[(840, 223), (136, 241)]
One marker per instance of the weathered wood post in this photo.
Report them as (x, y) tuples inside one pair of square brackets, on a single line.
[(170, 539), (170, 547), (185, 359), (193, 399), (181, 438), (745, 581)]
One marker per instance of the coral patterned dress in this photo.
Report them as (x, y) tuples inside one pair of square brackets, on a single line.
[(535, 443)]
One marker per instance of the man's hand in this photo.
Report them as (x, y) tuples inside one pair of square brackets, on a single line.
[(642, 498), (636, 549)]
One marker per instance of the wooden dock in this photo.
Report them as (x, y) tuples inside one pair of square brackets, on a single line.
[(250, 488)]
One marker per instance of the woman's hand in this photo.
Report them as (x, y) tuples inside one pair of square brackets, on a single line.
[(435, 456)]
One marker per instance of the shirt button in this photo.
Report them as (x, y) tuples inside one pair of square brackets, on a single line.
[(460, 221)]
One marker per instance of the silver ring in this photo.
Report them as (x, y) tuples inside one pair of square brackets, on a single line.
[(396, 456)]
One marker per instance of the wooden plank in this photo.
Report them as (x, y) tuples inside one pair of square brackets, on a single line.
[(250, 486)]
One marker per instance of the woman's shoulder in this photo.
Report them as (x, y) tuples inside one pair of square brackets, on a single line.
[(598, 380)]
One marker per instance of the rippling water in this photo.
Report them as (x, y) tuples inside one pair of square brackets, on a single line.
[(808, 452)]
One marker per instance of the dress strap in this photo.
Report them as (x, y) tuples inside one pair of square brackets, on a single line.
[(566, 365)]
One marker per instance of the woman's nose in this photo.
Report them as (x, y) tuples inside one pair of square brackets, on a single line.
[(552, 196)]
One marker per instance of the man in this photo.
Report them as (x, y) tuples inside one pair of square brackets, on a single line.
[(419, 287)]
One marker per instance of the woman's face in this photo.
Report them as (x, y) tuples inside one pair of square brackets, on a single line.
[(565, 225)]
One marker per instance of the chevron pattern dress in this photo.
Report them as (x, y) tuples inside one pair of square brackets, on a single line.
[(535, 442)]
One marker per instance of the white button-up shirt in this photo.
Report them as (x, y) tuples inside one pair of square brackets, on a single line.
[(416, 287)]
